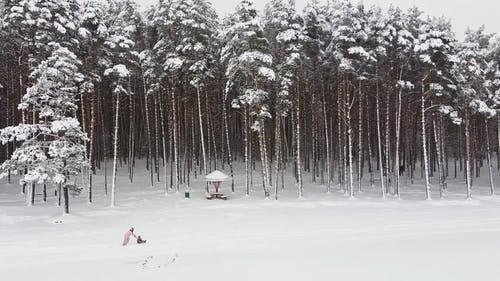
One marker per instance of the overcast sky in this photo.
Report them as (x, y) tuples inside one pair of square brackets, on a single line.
[(462, 13)]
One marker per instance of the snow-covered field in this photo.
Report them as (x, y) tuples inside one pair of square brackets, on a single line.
[(320, 237)]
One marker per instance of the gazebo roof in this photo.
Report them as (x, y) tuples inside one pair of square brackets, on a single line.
[(217, 176)]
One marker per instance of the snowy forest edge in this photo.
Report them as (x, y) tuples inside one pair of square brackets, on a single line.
[(338, 92)]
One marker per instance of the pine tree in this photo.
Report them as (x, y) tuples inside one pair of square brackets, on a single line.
[(249, 73), (186, 31), (493, 81), (92, 33), (347, 53), (121, 56), (284, 32), (472, 92), (316, 32), (52, 149), (434, 48), (400, 41)]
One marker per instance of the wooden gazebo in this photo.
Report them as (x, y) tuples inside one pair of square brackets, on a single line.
[(216, 177)]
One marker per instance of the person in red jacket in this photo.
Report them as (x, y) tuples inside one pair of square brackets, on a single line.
[(126, 237)]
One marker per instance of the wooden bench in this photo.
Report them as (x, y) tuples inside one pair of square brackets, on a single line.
[(216, 196)]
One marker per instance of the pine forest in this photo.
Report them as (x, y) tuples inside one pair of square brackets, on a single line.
[(339, 95)]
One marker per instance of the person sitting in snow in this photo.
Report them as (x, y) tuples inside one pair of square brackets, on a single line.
[(140, 240), (127, 235)]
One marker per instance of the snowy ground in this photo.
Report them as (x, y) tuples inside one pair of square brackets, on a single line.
[(320, 237)]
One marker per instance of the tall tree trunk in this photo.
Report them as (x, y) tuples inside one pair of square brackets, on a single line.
[(202, 136), (115, 151), (439, 156), (229, 150), (488, 152), (164, 144), (157, 139), (208, 166), (277, 152), (263, 158), (349, 137), (21, 94), (467, 153), (131, 137), (369, 144), (266, 158), (285, 154), (314, 140), (498, 140), (59, 194), (327, 142), (387, 145), (176, 152), (444, 153), (8, 117), (398, 137), (211, 132), (84, 129), (379, 140), (340, 139), (32, 194), (360, 136), (247, 152), (424, 144), (92, 140), (66, 198), (105, 147), (149, 164), (171, 148), (298, 142), (193, 145), (345, 139)]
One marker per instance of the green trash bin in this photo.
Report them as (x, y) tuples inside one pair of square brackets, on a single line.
[(186, 194)]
